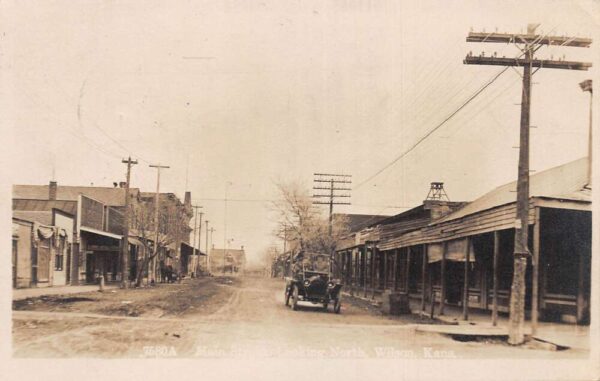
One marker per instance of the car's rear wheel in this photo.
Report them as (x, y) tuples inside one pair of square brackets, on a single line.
[(337, 306), (295, 298)]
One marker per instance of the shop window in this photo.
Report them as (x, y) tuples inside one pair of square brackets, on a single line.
[(59, 257)]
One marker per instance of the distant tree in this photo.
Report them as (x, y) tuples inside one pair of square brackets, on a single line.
[(268, 258)]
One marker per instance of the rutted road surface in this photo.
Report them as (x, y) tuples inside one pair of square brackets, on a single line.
[(245, 318)]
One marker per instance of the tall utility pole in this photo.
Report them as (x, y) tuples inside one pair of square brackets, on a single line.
[(587, 86), (335, 183), (196, 207), (156, 222), (528, 43), (199, 243), (125, 244), (206, 249), (225, 225), (212, 230)]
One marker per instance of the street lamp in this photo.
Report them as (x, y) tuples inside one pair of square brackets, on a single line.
[(587, 86)]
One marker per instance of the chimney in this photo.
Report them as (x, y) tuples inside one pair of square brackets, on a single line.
[(122, 184), (242, 247), (52, 188), (187, 200), (115, 184)]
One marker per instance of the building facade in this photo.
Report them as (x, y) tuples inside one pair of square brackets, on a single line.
[(227, 261), (92, 221)]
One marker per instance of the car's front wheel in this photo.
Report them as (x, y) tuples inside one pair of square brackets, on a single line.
[(287, 297), (295, 293)]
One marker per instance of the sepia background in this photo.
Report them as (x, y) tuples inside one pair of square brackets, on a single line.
[(237, 95), (252, 92)]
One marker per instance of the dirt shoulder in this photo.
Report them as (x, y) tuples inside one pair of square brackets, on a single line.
[(192, 297)]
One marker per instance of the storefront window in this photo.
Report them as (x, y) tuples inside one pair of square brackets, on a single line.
[(59, 257)]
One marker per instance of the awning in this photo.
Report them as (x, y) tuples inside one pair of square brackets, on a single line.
[(135, 241), (100, 232), (44, 231), (455, 251), (187, 249)]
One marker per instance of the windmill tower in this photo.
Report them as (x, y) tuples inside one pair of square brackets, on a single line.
[(437, 192)]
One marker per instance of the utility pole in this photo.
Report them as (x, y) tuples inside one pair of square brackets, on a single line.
[(206, 249), (156, 222), (125, 244), (528, 43), (336, 183), (196, 207), (332, 181)]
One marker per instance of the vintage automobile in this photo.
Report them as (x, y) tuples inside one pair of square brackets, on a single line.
[(309, 283)]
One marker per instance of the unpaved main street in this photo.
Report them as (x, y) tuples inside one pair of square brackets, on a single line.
[(221, 317)]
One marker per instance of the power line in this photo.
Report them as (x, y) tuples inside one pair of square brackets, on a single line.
[(72, 131), (492, 80), (94, 122), (118, 143), (412, 147)]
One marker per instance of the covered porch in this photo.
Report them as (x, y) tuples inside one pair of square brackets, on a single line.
[(473, 272)]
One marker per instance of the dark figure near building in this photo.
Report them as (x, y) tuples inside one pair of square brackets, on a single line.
[(168, 274)]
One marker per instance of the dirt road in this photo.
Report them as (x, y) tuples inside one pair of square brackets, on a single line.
[(240, 318)]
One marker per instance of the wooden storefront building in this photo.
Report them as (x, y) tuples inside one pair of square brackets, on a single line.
[(465, 257)]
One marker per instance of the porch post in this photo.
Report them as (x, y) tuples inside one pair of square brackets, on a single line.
[(354, 266), (395, 271), (75, 246), (466, 278), (374, 258), (356, 269), (407, 271), (385, 269), (535, 261), (581, 287), (443, 279), (348, 266), (350, 278), (431, 295), (423, 273), (342, 265), (495, 271), (366, 247)]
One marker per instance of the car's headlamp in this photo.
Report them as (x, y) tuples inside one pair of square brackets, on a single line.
[(306, 282), (330, 284)]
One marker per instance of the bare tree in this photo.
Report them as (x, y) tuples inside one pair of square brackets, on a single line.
[(302, 224), (172, 224)]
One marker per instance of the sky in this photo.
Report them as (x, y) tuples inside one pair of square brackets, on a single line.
[(236, 96)]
